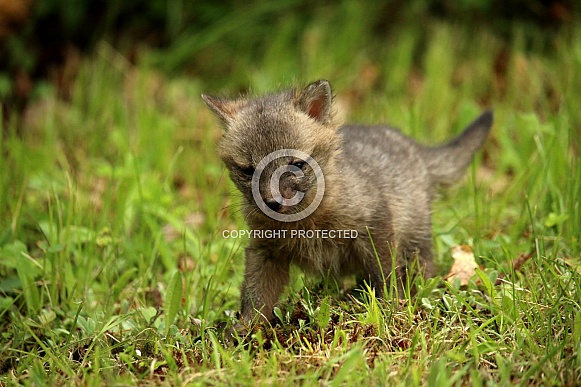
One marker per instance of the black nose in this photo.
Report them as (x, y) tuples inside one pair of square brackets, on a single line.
[(273, 204)]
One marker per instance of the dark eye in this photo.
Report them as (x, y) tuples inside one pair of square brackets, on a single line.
[(300, 164), (248, 171)]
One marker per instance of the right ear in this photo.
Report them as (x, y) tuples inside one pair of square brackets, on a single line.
[(225, 109), (316, 100)]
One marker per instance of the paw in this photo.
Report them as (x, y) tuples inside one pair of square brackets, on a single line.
[(236, 334)]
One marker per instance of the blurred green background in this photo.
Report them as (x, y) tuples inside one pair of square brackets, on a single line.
[(224, 42)]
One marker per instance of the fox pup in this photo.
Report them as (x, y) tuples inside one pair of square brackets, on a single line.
[(338, 200)]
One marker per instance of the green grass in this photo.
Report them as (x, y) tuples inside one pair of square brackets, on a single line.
[(113, 268)]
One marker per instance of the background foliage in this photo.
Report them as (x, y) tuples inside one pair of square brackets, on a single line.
[(37, 38), (113, 267)]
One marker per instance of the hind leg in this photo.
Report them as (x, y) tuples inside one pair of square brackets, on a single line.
[(409, 259), (415, 260)]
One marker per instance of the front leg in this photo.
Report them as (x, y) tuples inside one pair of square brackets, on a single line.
[(264, 280)]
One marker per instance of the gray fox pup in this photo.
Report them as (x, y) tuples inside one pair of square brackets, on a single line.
[(371, 181)]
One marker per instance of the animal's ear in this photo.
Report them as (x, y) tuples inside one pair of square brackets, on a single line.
[(225, 109), (315, 101)]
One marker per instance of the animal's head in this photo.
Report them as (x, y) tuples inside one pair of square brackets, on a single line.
[(278, 147)]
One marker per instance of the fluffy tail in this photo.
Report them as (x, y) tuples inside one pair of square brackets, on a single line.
[(447, 163)]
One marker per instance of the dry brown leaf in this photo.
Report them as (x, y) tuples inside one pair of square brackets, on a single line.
[(464, 265)]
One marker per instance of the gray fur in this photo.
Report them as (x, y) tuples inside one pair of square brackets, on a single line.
[(378, 182)]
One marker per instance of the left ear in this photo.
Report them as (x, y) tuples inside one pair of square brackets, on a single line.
[(316, 100), (225, 109)]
